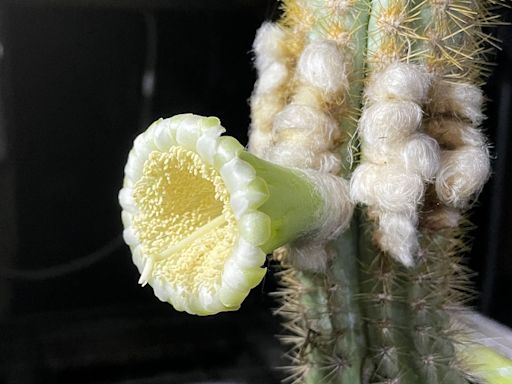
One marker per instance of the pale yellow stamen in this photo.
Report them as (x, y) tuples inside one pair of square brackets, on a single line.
[(185, 225), (198, 233)]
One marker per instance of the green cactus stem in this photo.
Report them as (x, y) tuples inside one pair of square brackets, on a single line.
[(320, 308)]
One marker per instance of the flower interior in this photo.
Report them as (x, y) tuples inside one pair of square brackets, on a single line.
[(185, 223)]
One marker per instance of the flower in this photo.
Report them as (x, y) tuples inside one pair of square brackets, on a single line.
[(200, 213)]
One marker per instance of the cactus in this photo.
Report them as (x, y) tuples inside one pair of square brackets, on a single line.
[(369, 102)]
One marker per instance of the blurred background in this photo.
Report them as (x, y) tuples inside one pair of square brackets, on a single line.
[(79, 79)]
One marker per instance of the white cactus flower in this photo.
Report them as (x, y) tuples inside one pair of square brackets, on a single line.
[(200, 213)]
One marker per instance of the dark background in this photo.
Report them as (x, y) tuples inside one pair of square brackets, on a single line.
[(76, 88)]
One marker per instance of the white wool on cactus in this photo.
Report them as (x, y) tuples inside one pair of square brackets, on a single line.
[(286, 153), (386, 188), (397, 159), (399, 81), (462, 175), (304, 135), (456, 110), (452, 133), (464, 101), (322, 65), (398, 236), (268, 97), (259, 142), (312, 253), (268, 45), (271, 78), (421, 155), (306, 125), (337, 215), (388, 122)]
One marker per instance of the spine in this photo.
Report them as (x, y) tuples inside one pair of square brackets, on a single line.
[(314, 130)]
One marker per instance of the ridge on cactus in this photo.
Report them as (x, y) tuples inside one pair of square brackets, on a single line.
[(366, 152)]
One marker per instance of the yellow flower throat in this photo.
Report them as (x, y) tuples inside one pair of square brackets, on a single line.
[(185, 222)]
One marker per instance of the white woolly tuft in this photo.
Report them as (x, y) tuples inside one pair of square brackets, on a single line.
[(309, 95), (288, 153), (456, 110), (268, 45), (398, 192), (421, 155), (399, 81), (272, 77), (268, 96), (386, 188), (451, 133), (303, 137), (462, 175), (397, 159), (328, 162), (303, 134), (463, 100), (389, 121), (398, 236), (322, 65), (338, 208), (263, 108), (310, 253), (362, 182), (317, 129), (260, 141)]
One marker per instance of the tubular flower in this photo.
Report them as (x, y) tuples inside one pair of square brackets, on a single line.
[(200, 213)]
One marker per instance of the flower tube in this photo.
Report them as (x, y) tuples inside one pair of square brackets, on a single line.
[(200, 213)]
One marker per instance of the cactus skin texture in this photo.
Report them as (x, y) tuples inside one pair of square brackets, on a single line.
[(367, 318)]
